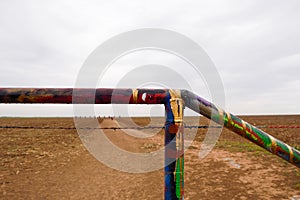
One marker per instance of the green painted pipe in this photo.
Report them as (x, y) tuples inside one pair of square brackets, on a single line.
[(241, 127)]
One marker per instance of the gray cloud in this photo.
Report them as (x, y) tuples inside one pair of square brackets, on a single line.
[(254, 44)]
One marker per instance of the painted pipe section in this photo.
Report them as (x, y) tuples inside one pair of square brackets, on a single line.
[(177, 106), (174, 147), (152, 96), (82, 96), (170, 153), (241, 127)]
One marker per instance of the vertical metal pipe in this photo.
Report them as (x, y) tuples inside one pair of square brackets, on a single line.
[(174, 147), (170, 148)]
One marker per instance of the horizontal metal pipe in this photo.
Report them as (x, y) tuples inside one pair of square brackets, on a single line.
[(151, 96), (82, 96)]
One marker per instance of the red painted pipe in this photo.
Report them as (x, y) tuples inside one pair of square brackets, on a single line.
[(82, 96)]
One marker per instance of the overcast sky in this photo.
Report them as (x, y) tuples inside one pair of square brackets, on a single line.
[(254, 44)]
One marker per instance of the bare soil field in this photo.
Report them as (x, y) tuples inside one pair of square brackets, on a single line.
[(53, 163)]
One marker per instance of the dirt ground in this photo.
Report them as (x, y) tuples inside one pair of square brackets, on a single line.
[(53, 163)]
